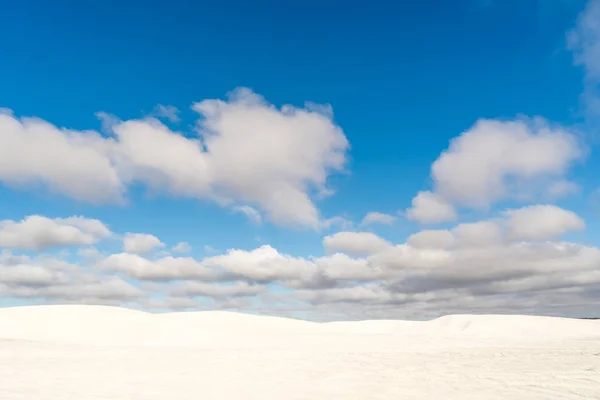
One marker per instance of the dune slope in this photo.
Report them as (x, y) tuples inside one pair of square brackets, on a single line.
[(93, 352)]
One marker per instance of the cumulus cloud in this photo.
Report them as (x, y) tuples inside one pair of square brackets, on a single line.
[(76, 164), (375, 217), (27, 272), (271, 157), (88, 252), (182, 247), (472, 266), (356, 294), (170, 303), (498, 160), (430, 208), (234, 289), (340, 266), (478, 234), (167, 268), (262, 264), (246, 151), (355, 243), (141, 243), (53, 279), (483, 163), (38, 233), (541, 222), (432, 239)]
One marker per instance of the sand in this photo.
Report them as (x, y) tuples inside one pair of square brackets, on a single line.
[(95, 352)]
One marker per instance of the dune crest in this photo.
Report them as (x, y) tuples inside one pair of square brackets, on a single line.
[(98, 325)]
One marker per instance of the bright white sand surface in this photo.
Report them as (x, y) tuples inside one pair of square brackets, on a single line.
[(92, 352)]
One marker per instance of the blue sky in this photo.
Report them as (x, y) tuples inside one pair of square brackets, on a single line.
[(402, 80)]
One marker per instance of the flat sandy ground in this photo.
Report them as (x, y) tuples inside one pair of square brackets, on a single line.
[(178, 356)]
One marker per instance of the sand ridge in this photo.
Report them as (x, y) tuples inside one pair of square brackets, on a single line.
[(99, 325)]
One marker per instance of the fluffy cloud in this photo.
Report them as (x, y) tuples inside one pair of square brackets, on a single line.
[(541, 222), (88, 252), (343, 267), (234, 289), (483, 265), (141, 243), (478, 234), (496, 160), (110, 290), (378, 218), (482, 164), (262, 265), (356, 294), (432, 239), (182, 247), (246, 151), (38, 233), (430, 208), (270, 157), (355, 243), (72, 163), (167, 268), (52, 279)]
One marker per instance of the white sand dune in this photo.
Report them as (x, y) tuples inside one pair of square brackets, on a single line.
[(95, 352)]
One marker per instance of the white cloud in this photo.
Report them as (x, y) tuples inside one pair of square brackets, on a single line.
[(141, 243), (234, 289), (76, 164), (38, 233), (182, 247), (478, 234), (247, 151), (209, 249), (474, 266), (498, 160), (262, 264), (355, 294), (27, 274), (167, 268), (432, 239), (584, 41), (341, 266), (562, 188), (377, 217), (149, 152), (88, 252), (355, 243), (337, 221), (491, 160), (541, 222), (55, 280), (270, 157), (430, 208), (250, 213), (170, 303), (171, 113)]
